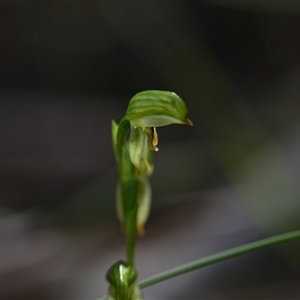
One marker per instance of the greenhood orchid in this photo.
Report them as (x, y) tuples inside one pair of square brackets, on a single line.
[(146, 111), (134, 139)]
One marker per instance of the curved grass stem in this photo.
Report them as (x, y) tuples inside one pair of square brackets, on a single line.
[(211, 259)]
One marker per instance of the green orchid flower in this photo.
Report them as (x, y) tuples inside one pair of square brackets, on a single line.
[(139, 145), (146, 111), (134, 139)]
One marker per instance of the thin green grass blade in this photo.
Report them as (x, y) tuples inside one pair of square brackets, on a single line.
[(211, 259)]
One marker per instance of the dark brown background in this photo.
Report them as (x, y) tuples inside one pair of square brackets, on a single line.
[(68, 68)]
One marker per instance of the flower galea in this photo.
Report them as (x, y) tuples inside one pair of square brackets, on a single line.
[(146, 111)]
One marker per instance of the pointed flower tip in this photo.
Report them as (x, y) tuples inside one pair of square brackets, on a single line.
[(189, 122)]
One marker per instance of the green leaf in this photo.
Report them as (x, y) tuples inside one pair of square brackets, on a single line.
[(114, 131), (224, 255), (143, 205)]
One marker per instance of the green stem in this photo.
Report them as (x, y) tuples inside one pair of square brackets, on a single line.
[(129, 187), (220, 257), (130, 213)]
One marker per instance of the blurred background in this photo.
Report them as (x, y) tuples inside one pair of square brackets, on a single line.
[(68, 68)]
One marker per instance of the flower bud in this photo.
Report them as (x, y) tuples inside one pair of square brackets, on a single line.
[(122, 277)]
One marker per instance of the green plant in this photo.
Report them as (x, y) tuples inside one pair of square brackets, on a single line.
[(133, 140)]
